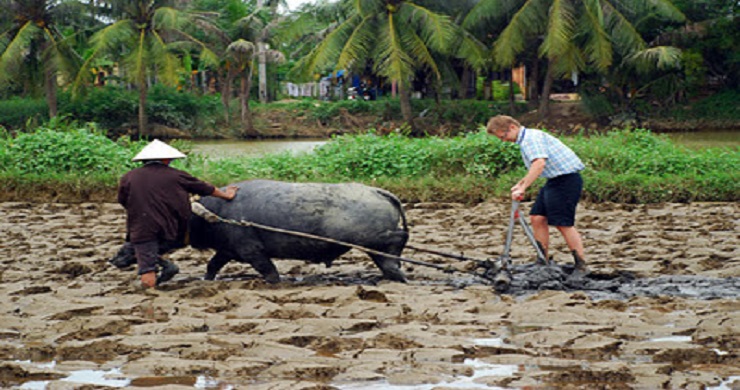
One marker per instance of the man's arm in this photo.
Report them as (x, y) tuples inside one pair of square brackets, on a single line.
[(229, 194), (535, 170)]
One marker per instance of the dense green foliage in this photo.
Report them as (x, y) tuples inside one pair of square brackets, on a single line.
[(18, 112), (115, 108), (464, 113), (625, 166), (722, 106), (64, 149)]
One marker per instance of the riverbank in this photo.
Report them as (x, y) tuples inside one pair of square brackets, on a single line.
[(283, 120), (70, 319)]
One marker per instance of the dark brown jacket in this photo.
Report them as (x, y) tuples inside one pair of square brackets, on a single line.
[(156, 200)]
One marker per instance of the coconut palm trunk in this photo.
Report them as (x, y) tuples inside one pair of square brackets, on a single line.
[(544, 109), (142, 106), (406, 110), (50, 87), (246, 114), (228, 79)]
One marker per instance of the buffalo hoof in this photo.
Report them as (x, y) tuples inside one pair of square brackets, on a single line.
[(209, 277), (272, 278), (395, 275)]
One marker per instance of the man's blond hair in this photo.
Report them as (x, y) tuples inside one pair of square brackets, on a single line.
[(501, 123)]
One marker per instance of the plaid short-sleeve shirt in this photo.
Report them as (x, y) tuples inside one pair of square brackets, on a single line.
[(561, 160)]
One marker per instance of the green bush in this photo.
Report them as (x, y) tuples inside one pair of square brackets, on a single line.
[(17, 112), (182, 110), (720, 106), (117, 109), (111, 107), (65, 149)]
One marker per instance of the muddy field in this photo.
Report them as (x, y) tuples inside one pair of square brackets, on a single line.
[(660, 310)]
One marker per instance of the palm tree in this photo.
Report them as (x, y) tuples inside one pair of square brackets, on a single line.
[(145, 37), (269, 8), (397, 36), (33, 48), (574, 33), (243, 26)]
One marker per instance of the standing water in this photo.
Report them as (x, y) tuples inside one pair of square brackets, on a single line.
[(256, 148), (234, 148)]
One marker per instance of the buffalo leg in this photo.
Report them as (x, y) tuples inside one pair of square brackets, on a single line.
[(394, 242), (260, 262), (217, 262)]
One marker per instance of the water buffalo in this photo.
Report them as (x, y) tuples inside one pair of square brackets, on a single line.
[(349, 212)]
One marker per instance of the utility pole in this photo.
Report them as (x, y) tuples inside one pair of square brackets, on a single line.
[(262, 59)]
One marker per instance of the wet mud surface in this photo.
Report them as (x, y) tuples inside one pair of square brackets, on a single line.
[(660, 308)]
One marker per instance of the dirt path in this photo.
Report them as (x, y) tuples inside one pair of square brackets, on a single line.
[(663, 311)]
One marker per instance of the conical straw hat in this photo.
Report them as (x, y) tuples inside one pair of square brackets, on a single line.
[(158, 150)]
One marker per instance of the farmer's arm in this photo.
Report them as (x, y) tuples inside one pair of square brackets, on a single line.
[(535, 170)]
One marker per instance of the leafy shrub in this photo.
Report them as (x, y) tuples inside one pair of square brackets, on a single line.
[(182, 110), (78, 151), (17, 112), (111, 107)]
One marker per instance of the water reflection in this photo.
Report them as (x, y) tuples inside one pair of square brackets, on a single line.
[(706, 139), (481, 369)]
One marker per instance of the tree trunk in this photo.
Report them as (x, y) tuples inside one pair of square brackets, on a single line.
[(512, 106), (408, 114), (544, 110), (50, 88), (262, 69), (488, 87), (226, 94), (534, 92), (464, 83), (246, 113), (142, 107)]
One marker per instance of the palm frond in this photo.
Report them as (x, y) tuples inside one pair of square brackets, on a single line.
[(170, 19), (659, 58), (471, 50), (597, 47), (357, 45), (437, 31), (624, 36), (13, 55), (487, 11), (570, 60), (418, 50), (108, 40), (62, 56), (166, 63), (560, 30), (393, 60), (528, 21), (328, 51)]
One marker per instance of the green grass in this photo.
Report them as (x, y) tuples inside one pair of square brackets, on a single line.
[(633, 166)]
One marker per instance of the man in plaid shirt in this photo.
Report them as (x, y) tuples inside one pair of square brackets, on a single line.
[(544, 155)]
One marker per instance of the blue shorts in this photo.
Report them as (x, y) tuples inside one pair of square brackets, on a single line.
[(558, 199)]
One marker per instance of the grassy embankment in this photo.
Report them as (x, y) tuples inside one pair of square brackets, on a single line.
[(79, 163)]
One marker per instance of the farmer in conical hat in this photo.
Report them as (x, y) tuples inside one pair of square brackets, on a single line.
[(157, 205)]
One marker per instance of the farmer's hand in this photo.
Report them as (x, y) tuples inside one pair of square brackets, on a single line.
[(517, 192), (231, 192)]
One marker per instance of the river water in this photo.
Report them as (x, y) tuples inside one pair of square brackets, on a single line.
[(232, 148)]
